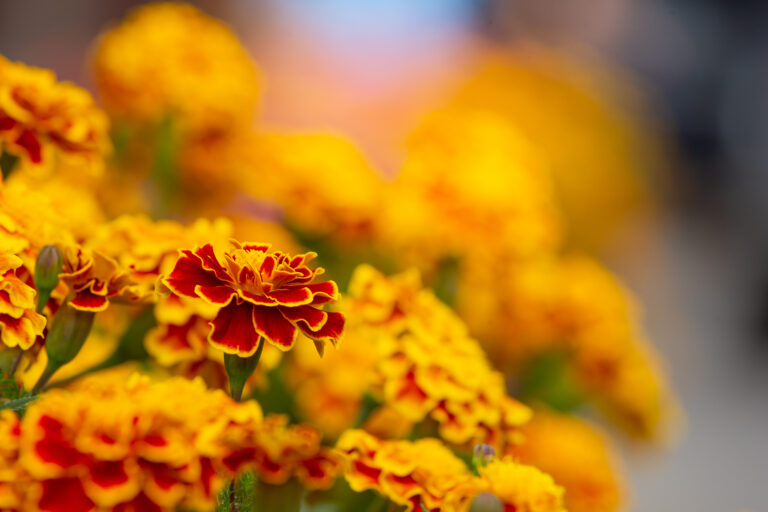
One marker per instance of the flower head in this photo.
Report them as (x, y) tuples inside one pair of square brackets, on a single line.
[(259, 294), (520, 487), (198, 73), (38, 114), (19, 323), (412, 474), (94, 279)]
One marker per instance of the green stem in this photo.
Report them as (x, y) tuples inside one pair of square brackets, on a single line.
[(366, 409), (50, 369), (16, 363), (239, 369)]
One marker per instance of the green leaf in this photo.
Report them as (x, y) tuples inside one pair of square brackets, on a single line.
[(19, 405)]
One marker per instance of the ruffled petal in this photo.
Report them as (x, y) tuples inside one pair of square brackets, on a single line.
[(233, 330), (271, 324)]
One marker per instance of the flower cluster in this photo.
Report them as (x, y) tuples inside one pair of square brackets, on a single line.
[(425, 475), (39, 115), (112, 447), (422, 363)]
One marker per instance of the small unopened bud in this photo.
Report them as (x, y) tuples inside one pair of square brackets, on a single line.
[(47, 269), (69, 330), (483, 455), (486, 502)]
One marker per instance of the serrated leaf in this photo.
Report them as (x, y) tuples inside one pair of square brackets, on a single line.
[(19, 404)]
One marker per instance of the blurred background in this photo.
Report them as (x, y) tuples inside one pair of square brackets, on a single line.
[(684, 227)]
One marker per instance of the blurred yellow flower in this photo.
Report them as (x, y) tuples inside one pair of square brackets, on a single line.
[(578, 457), (42, 119), (170, 60)]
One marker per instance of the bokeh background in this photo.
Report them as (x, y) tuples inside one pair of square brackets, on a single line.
[(693, 74)]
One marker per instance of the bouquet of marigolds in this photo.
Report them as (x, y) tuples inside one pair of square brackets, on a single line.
[(169, 344)]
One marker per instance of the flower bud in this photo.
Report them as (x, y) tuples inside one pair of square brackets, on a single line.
[(483, 455), (486, 502), (69, 330), (47, 269)]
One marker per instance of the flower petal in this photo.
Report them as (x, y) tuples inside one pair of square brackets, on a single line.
[(233, 331), (210, 262), (188, 273), (331, 330), (313, 318), (219, 295), (271, 324), (87, 301), (292, 296)]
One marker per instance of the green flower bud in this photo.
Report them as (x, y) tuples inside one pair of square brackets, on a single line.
[(68, 332), (47, 270), (486, 502)]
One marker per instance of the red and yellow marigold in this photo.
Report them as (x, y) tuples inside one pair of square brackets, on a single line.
[(95, 279), (426, 475), (104, 446), (19, 323), (39, 115), (259, 294)]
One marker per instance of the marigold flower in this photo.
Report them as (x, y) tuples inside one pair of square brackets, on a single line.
[(563, 446), (412, 474), (19, 323), (109, 447), (323, 183), (277, 451), (198, 74), (572, 305), (424, 474), (420, 361), (94, 279), (260, 294), (520, 487), (38, 114), (470, 180)]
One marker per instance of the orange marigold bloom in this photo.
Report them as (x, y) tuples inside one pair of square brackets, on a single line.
[(94, 279), (260, 294), (19, 323), (563, 446), (149, 447), (37, 114)]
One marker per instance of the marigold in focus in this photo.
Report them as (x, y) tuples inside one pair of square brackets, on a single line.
[(564, 446), (171, 60), (39, 114), (259, 294)]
